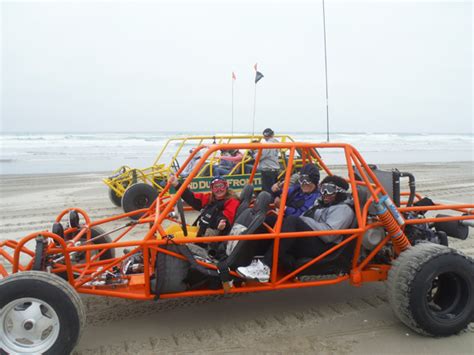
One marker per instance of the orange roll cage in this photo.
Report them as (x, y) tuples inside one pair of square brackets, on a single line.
[(84, 276)]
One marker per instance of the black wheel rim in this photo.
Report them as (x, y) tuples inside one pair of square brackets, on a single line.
[(448, 296), (141, 201)]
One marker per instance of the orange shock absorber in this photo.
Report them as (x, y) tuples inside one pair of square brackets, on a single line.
[(385, 211)]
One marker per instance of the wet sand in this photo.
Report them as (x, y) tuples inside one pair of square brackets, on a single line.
[(335, 319)]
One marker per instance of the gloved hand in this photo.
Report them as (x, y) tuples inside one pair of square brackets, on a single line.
[(221, 225)]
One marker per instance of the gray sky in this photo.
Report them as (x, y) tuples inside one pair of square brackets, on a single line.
[(393, 66)]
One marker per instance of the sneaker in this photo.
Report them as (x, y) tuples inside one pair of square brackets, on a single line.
[(255, 271)]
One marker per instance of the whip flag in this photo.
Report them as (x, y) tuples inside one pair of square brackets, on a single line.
[(258, 75)]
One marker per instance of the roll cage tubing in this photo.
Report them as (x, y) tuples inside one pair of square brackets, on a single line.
[(128, 174), (137, 286), (218, 139)]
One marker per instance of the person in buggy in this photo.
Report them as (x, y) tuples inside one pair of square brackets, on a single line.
[(332, 211), (192, 163), (228, 159), (302, 194), (218, 207)]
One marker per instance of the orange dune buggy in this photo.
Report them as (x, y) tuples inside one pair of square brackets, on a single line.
[(393, 239)]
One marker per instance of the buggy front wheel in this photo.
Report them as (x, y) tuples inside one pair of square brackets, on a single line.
[(39, 314), (431, 289)]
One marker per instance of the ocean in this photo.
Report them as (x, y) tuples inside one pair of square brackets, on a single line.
[(23, 153)]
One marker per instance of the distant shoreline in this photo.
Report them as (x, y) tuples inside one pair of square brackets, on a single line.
[(95, 152), (105, 173), (181, 133)]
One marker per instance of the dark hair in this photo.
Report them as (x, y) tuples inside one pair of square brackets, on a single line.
[(312, 171)]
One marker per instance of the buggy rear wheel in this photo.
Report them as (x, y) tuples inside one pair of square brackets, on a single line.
[(80, 258), (116, 199), (95, 232), (431, 289), (39, 314), (138, 196)]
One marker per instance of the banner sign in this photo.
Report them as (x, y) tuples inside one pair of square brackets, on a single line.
[(236, 182)]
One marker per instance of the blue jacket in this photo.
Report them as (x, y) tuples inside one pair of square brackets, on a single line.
[(298, 202)]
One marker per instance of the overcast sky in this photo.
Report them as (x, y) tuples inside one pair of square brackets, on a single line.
[(393, 66)]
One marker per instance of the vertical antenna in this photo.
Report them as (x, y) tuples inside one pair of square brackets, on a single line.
[(254, 105), (326, 72), (232, 131)]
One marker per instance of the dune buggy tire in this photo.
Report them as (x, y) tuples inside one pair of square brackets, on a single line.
[(50, 311), (108, 254), (95, 232), (138, 196), (116, 200), (170, 272), (431, 289)]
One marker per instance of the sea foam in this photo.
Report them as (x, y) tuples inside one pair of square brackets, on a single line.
[(84, 152)]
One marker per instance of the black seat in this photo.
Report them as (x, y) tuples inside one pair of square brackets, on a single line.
[(245, 198), (334, 263), (241, 252), (363, 194)]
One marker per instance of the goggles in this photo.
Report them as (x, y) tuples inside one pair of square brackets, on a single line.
[(304, 179), (218, 185), (329, 189)]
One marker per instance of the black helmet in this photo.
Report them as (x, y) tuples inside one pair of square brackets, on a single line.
[(268, 132), (311, 172)]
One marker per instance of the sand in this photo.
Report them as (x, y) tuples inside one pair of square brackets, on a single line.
[(335, 319)]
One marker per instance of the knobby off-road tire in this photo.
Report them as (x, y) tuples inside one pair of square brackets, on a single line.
[(116, 199), (170, 272), (39, 314), (431, 289), (138, 196)]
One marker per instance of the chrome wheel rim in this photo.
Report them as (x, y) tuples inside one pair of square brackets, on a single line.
[(28, 325)]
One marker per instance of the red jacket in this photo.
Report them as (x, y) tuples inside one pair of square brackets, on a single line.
[(199, 200)]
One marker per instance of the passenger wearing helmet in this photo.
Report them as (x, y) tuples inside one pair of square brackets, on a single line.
[(302, 195), (330, 212), (269, 165), (217, 207)]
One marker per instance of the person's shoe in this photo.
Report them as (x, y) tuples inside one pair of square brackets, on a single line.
[(255, 271)]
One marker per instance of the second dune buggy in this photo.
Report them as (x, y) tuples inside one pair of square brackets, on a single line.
[(134, 188)]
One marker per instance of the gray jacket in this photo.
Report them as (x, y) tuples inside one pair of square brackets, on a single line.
[(338, 216), (269, 158)]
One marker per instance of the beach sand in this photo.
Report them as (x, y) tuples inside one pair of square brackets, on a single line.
[(334, 319)]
